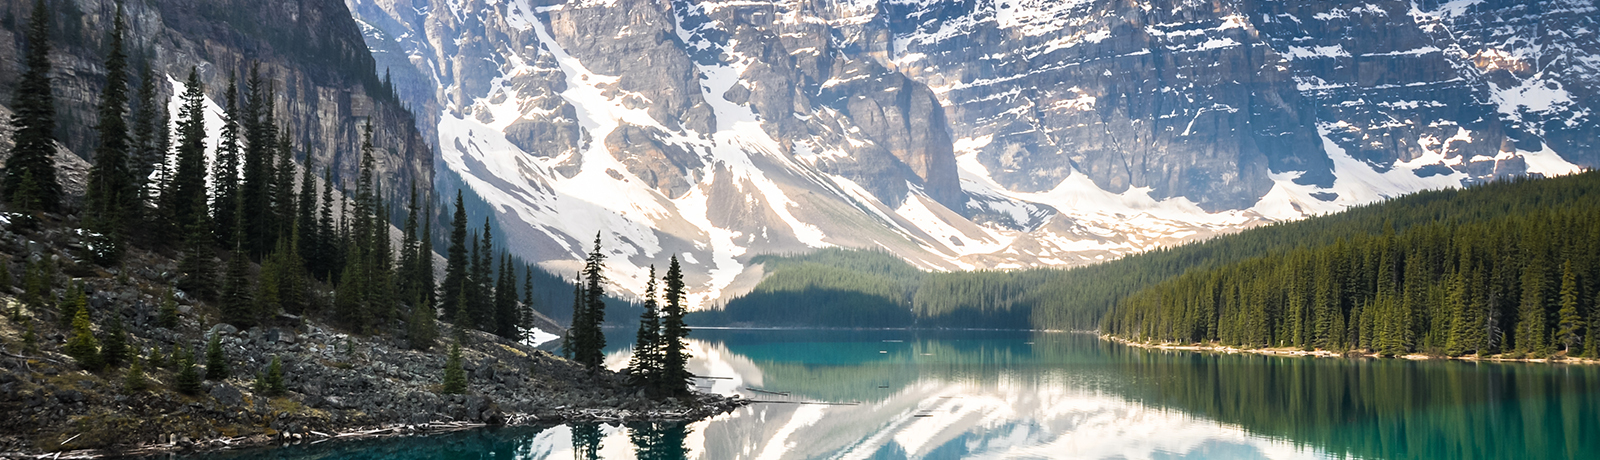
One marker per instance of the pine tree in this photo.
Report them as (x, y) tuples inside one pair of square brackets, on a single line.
[(410, 279), (591, 339), (237, 300), (196, 263), (184, 199), (570, 339), (188, 379), (348, 302), (111, 194), (455, 379), (148, 128), (135, 380), (1532, 334), (306, 222), (30, 173), (505, 301), (284, 208), (115, 347), (422, 329), (167, 317), (525, 319), (216, 361), (424, 272), (270, 382), (328, 263), (30, 339), (675, 377), (1569, 331), (645, 365), (83, 347), (225, 172), (455, 268), (255, 188), (74, 303)]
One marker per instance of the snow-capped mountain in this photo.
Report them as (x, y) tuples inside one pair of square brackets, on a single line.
[(970, 134)]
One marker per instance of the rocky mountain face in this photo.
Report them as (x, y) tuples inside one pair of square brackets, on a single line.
[(312, 52), (965, 134)]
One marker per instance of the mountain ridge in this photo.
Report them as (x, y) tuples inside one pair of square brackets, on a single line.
[(1076, 132)]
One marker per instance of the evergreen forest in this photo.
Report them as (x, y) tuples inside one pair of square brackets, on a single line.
[(1506, 266)]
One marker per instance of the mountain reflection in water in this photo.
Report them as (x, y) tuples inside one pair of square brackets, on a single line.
[(989, 394)]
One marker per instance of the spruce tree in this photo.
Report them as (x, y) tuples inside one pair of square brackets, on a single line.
[(422, 329), (135, 380), (216, 361), (455, 379), (148, 129), (472, 293), (73, 303), (237, 303), (327, 244), (1532, 334), (185, 195), (260, 148), (410, 279), (645, 365), (111, 194), (570, 339), (167, 316), (270, 382), (1569, 330), (83, 347), (30, 174), (349, 300), (196, 264), (114, 349), (424, 271), (505, 301), (675, 376), (525, 317), (225, 171), (188, 379), (455, 268), (591, 339), (306, 221), (284, 209)]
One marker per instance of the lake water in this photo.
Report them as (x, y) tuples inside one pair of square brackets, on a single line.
[(968, 394)]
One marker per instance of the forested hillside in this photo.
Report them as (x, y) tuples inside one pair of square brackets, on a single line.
[(1522, 283), (1079, 298)]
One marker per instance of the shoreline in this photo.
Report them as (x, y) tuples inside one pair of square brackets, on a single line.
[(707, 405), (1293, 352)]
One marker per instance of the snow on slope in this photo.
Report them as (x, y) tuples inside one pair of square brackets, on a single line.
[(753, 193)]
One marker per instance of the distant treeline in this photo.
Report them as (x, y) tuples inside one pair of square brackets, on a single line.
[(845, 288), (1524, 283)]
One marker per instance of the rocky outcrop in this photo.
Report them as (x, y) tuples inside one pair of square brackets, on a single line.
[(967, 134), (311, 51), (334, 381)]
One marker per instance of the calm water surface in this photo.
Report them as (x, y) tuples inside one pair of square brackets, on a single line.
[(962, 394)]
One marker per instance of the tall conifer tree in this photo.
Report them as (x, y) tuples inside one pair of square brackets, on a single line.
[(225, 171), (111, 196), (591, 339), (455, 268), (1569, 329), (30, 174), (675, 375), (646, 364)]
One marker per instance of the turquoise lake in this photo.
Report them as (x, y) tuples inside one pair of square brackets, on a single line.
[(1012, 394)]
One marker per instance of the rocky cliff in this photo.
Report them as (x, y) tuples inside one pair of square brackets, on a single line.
[(968, 134), (311, 51)]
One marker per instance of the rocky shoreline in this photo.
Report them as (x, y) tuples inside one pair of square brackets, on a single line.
[(338, 385), (1219, 348)]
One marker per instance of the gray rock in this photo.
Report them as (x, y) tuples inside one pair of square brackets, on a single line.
[(227, 395)]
